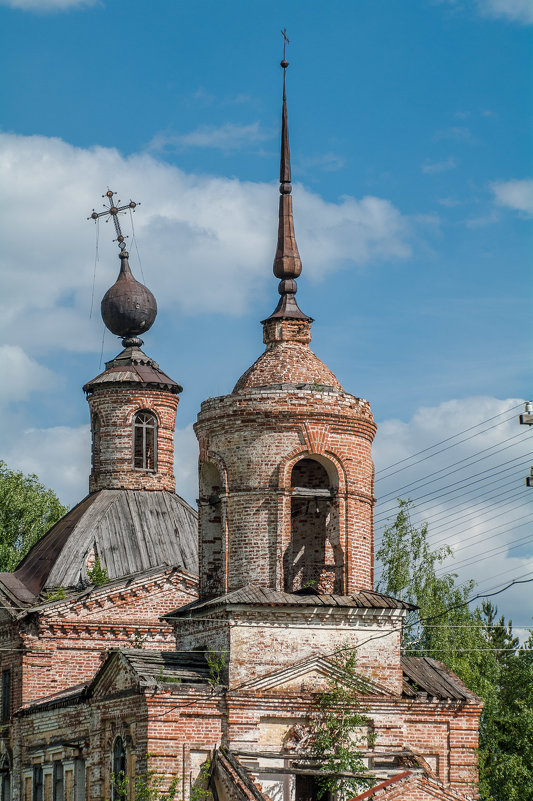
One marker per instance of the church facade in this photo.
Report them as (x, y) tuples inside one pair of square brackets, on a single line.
[(146, 646)]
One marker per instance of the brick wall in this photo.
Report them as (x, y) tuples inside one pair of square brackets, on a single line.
[(112, 409)]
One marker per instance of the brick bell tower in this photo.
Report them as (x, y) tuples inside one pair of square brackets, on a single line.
[(286, 473), (132, 403)]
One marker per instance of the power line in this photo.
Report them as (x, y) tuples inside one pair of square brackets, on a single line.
[(442, 450), (471, 428), (460, 461)]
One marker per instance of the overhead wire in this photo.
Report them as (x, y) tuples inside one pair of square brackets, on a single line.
[(453, 436)]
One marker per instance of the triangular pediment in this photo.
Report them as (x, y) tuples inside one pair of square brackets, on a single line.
[(114, 676), (311, 675)]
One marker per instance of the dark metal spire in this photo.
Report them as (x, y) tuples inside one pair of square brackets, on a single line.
[(287, 262)]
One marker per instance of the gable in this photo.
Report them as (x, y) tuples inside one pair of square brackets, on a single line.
[(311, 675), (408, 786), (114, 677)]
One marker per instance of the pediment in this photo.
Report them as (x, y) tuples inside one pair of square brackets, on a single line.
[(311, 675), (115, 676)]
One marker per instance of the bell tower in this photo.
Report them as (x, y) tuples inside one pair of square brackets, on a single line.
[(286, 473), (132, 403)]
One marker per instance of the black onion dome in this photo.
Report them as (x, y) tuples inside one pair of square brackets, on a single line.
[(128, 307)]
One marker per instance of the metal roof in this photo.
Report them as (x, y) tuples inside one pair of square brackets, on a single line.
[(133, 366), (130, 531), (162, 667), (425, 675), (264, 596)]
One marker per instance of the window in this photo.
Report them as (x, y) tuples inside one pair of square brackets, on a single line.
[(307, 789), (6, 695), (95, 451), (58, 787), (118, 771), (37, 783), (5, 785), (145, 441)]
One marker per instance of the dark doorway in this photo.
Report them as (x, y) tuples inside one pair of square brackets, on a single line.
[(308, 789)]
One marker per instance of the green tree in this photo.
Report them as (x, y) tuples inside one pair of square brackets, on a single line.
[(340, 729), (27, 510), (480, 649)]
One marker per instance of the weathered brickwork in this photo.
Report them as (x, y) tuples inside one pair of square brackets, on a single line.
[(112, 408)]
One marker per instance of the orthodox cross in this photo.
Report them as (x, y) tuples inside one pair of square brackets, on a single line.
[(285, 41), (113, 212)]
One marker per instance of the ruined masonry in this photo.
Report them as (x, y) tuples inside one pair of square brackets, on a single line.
[(144, 642)]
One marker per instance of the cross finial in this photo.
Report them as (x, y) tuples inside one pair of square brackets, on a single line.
[(113, 212), (286, 41)]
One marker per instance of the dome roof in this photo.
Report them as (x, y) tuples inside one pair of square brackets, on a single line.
[(288, 363), (128, 307)]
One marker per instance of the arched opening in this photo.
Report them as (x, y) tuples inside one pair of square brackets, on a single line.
[(95, 450), (210, 513), (314, 559), (118, 771), (145, 441)]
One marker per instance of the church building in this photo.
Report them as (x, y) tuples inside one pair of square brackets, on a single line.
[(147, 646)]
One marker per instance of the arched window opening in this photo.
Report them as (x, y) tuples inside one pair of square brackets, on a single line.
[(95, 449), (145, 441), (210, 509), (314, 559), (118, 771)]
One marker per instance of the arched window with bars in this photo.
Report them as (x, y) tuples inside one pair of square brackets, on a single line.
[(118, 771), (145, 441)]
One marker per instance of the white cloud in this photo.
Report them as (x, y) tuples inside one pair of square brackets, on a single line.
[(224, 137), (515, 10), (517, 195), (59, 456), (199, 236), (472, 493), (457, 133), (431, 167), (44, 6), (22, 374)]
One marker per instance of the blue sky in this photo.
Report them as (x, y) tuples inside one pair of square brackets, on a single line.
[(410, 130)]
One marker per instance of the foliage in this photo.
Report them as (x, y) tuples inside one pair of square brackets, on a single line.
[(480, 649), (97, 575), (217, 662), (57, 595), (200, 789), (148, 787), (339, 728), (27, 510)]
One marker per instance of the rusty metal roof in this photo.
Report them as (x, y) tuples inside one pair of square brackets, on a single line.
[(130, 531), (254, 595), (132, 366), (423, 675)]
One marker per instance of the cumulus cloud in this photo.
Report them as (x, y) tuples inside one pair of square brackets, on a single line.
[(199, 237), (517, 195), (22, 374), (431, 167), (223, 137), (516, 10), (470, 488), (44, 6)]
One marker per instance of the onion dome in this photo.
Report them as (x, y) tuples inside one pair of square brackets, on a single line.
[(128, 307)]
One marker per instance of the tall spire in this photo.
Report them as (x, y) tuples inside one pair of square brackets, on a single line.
[(287, 262)]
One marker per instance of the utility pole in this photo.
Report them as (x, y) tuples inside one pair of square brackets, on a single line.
[(526, 419)]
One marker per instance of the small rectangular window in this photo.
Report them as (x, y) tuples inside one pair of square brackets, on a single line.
[(6, 695), (37, 783), (5, 785), (58, 787)]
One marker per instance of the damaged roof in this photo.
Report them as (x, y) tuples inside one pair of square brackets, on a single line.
[(130, 531), (422, 675), (166, 667)]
